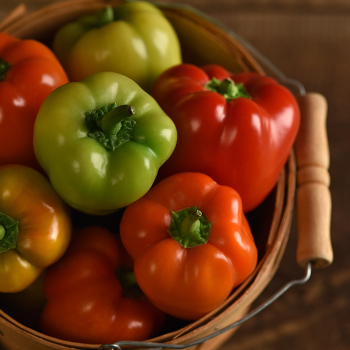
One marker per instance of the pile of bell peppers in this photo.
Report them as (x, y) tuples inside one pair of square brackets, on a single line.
[(126, 174)]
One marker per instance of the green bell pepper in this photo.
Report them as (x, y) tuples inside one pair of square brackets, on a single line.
[(134, 39), (101, 142)]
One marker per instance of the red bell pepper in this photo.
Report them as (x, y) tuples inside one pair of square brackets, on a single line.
[(190, 242), (87, 303), (29, 71), (236, 128)]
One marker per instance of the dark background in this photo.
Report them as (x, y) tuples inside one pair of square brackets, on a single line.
[(308, 40)]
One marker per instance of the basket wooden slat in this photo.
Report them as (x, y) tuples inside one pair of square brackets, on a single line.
[(270, 222)]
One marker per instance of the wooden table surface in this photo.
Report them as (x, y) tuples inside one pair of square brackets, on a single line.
[(308, 40)]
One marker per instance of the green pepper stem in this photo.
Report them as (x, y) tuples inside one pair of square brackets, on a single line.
[(2, 232), (189, 227), (111, 123), (227, 88), (9, 229), (100, 19), (4, 67), (105, 16), (111, 126), (127, 280)]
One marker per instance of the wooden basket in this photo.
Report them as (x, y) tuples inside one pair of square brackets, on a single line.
[(270, 222)]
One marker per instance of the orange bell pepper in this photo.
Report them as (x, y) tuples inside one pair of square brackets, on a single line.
[(190, 242), (35, 226)]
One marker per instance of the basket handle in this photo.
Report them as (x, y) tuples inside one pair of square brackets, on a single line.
[(313, 197), (18, 12)]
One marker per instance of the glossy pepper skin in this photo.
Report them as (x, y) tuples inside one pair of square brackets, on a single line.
[(29, 71), (35, 227), (134, 39), (94, 165), (87, 303), (240, 134), (190, 242)]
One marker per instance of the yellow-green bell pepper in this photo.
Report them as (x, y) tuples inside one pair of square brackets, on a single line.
[(101, 142), (134, 39)]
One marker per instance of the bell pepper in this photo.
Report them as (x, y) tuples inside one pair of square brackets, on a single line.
[(101, 142), (191, 244), (35, 226), (92, 296), (236, 128), (134, 39), (29, 71)]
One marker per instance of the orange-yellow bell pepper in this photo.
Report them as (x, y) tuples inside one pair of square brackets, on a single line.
[(35, 226)]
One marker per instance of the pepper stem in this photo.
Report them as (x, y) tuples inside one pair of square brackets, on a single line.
[(227, 88), (8, 233), (2, 232), (189, 227), (4, 67), (103, 17), (111, 126), (127, 280)]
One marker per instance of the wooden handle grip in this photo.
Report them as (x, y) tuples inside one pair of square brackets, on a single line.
[(313, 197)]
